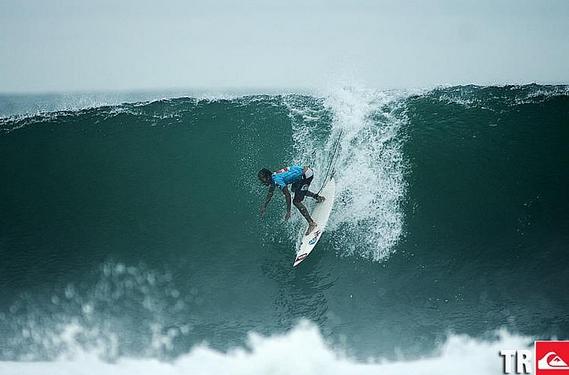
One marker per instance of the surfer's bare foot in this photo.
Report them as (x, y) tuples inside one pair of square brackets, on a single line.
[(320, 199), (311, 227)]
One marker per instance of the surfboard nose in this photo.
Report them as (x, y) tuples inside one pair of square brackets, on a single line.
[(299, 259)]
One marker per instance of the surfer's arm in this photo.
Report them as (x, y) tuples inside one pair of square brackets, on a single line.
[(267, 199), (288, 201)]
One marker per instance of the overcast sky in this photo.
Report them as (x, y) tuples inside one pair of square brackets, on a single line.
[(70, 45)]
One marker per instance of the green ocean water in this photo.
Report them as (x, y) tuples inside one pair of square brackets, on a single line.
[(136, 226)]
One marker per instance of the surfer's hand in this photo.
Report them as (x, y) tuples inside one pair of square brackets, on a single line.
[(287, 216), (262, 211)]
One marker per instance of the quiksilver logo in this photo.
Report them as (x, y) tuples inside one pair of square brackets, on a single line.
[(551, 361)]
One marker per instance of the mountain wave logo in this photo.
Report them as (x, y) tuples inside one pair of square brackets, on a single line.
[(552, 361), (552, 357)]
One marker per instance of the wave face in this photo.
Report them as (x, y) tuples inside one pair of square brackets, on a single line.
[(132, 231)]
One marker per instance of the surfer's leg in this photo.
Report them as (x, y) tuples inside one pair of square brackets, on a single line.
[(311, 223), (298, 204), (318, 198), (310, 228), (299, 193)]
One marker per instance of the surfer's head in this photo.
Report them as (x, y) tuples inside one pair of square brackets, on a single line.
[(265, 176)]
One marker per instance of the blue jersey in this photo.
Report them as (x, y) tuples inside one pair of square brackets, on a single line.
[(285, 176)]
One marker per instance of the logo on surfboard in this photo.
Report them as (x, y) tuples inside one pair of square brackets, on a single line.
[(315, 238)]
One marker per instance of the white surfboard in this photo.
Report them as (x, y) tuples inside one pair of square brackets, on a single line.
[(320, 215)]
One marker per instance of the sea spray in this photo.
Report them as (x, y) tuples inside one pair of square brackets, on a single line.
[(366, 125), (302, 350)]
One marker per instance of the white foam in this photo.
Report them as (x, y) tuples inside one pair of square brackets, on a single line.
[(466, 97), (370, 166), (301, 351), (79, 319)]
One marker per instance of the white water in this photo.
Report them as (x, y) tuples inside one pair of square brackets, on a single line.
[(128, 309), (301, 351), (367, 219)]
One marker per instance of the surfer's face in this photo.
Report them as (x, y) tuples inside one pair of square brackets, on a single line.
[(264, 180)]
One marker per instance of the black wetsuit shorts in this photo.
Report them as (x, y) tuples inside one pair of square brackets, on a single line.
[(300, 188)]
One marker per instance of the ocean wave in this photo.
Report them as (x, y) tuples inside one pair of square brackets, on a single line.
[(488, 97), (441, 210), (302, 350), (93, 319), (366, 126)]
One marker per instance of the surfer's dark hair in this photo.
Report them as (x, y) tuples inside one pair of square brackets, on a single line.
[(264, 173)]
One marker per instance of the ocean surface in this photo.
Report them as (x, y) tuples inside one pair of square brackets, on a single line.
[(130, 236)]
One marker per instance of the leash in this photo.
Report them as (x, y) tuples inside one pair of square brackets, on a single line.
[(331, 169)]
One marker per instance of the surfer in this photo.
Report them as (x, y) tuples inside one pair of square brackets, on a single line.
[(300, 178)]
